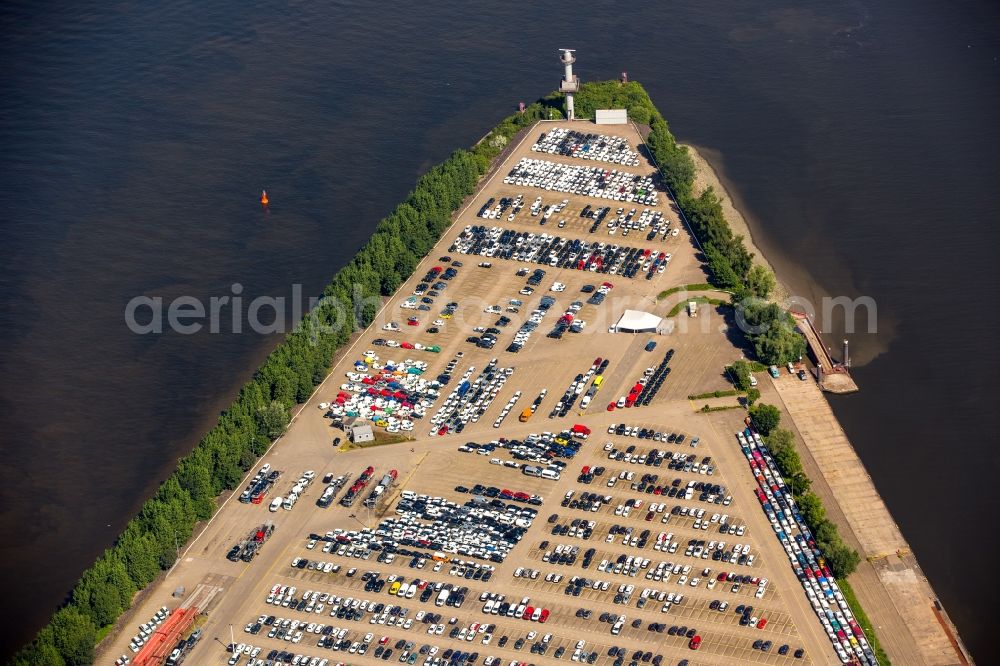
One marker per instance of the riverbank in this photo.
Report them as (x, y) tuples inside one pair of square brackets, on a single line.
[(706, 176), (910, 621)]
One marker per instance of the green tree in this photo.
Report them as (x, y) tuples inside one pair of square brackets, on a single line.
[(765, 417), (760, 281), (272, 419), (826, 532), (194, 476), (753, 395), (73, 635), (740, 373), (811, 508), (799, 483), (779, 344), (780, 439), (138, 552), (843, 559), (104, 590), (41, 652)]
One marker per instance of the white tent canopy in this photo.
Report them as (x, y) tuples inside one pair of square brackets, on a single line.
[(637, 321)]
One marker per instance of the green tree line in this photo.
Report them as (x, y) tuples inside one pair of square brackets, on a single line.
[(262, 410), (772, 334), (841, 558)]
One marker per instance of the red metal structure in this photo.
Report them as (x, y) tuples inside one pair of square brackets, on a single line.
[(165, 638)]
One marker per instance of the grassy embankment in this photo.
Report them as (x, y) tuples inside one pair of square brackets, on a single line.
[(862, 618)]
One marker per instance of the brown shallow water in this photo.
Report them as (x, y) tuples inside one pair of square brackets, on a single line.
[(860, 140)]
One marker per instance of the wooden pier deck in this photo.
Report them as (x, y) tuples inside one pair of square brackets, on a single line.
[(834, 377)]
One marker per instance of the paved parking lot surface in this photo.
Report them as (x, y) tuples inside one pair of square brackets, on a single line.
[(430, 463)]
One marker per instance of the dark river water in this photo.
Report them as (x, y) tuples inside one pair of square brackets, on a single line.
[(860, 137)]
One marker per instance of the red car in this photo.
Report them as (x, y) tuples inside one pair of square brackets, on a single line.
[(545, 615), (611, 406), (527, 613), (762, 623), (695, 642), (412, 322)]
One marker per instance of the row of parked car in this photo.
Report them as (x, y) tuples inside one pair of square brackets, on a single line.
[(529, 325), (470, 398), (633, 220), (582, 180), (676, 460), (504, 494), (587, 146), (796, 538), (311, 602), (497, 604), (650, 483), (644, 432), (494, 209), (506, 409), (578, 386), (254, 658), (543, 448), (646, 387), (554, 251)]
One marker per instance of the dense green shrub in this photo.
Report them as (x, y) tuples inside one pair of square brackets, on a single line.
[(740, 373)]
